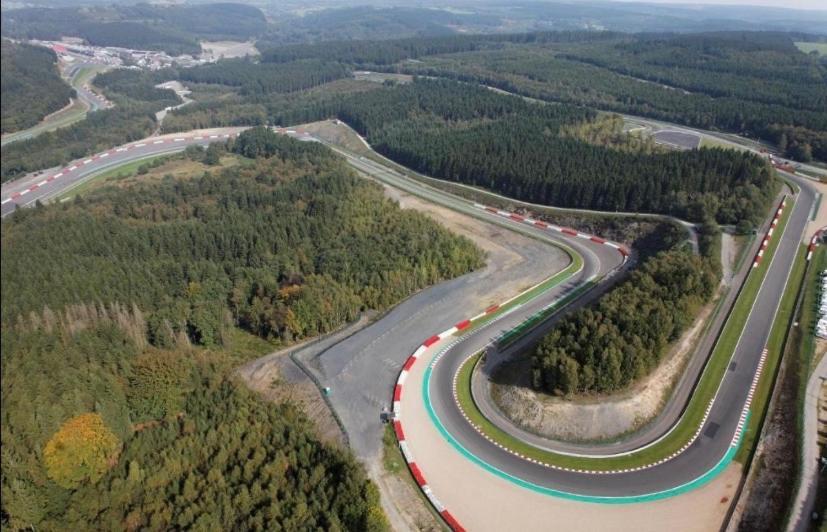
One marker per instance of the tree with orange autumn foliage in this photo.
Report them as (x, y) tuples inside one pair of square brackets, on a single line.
[(81, 451)]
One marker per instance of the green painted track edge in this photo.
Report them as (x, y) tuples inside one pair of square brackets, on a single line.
[(621, 499)]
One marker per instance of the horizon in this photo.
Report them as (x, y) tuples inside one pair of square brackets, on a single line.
[(799, 5)]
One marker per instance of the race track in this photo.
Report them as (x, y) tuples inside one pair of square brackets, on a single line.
[(431, 386)]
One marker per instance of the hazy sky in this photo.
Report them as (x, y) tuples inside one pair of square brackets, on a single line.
[(794, 4)]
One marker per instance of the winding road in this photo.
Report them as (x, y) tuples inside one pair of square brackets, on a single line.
[(429, 389), (718, 434)]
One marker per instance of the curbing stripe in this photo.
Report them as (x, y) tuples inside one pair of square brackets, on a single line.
[(449, 519), (397, 428)]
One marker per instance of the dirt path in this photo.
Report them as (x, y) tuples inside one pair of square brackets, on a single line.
[(729, 254)]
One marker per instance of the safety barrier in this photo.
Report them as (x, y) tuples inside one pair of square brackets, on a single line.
[(766, 241), (398, 389), (75, 166)]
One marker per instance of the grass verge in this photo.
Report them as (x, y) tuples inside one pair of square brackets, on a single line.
[(121, 171), (575, 265), (775, 347), (704, 391), (532, 321), (393, 461)]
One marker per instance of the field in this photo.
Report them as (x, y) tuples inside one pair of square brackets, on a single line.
[(807, 47), (227, 49)]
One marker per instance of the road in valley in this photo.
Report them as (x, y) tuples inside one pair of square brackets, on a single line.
[(48, 184), (360, 369), (78, 75)]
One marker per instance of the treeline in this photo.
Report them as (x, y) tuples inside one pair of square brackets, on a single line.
[(186, 446), (173, 29), (570, 74), (374, 23), (31, 87), (393, 51), (759, 69), (624, 336), (115, 416), (475, 136), (132, 118), (764, 68), (250, 94), (256, 79), (297, 107), (285, 250)]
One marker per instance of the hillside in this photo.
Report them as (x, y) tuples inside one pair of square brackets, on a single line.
[(119, 408), (475, 136), (174, 29), (31, 86), (757, 84)]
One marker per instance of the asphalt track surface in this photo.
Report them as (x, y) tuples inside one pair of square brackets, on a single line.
[(718, 431), (353, 368), (48, 184), (701, 456), (92, 100), (86, 98)]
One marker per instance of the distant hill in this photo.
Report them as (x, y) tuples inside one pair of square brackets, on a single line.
[(173, 29), (31, 86), (430, 19)]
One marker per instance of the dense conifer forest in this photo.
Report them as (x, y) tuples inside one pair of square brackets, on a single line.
[(133, 117), (31, 86), (250, 94), (476, 136), (254, 79), (607, 346), (174, 29), (123, 314), (707, 81)]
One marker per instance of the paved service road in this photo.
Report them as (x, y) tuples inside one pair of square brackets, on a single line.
[(802, 506)]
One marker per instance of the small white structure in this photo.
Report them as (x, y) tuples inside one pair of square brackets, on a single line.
[(821, 326)]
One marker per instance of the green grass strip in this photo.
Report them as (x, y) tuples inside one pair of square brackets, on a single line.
[(574, 266), (775, 346), (510, 336), (94, 180), (647, 497), (703, 394)]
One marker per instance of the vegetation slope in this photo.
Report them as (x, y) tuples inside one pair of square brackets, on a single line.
[(125, 312), (31, 87)]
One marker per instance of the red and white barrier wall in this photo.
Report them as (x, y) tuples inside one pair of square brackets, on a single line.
[(766, 241), (811, 247), (555, 228), (462, 325), (400, 433), (78, 164)]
